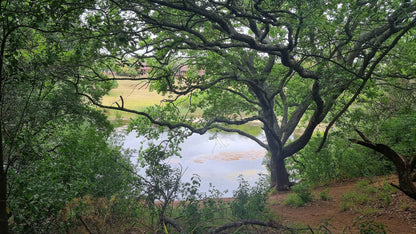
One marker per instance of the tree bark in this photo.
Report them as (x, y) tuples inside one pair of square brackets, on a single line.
[(4, 227), (404, 167), (281, 176)]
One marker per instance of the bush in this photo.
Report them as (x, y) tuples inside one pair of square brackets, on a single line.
[(85, 163), (200, 211), (339, 159), (250, 202), (300, 197), (293, 200)]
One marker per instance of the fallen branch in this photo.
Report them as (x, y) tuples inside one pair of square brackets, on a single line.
[(174, 224), (269, 224), (85, 225)]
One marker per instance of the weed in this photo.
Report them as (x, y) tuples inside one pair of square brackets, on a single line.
[(303, 191), (369, 226), (365, 187), (300, 197), (324, 195), (367, 195), (355, 197), (369, 211), (404, 205), (346, 205), (293, 200)]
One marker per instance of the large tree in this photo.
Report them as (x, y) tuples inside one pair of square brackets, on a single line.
[(285, 64)]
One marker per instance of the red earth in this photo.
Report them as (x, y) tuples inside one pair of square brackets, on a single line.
[(398, 217)]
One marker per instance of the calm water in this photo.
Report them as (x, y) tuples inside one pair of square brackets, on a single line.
[(218, 161)]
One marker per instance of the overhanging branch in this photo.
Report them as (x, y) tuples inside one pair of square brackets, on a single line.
[(207, 126)]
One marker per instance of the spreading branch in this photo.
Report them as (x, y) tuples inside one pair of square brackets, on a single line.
[(404, 168)]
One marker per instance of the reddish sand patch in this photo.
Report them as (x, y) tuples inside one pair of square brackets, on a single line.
[(399, 216), (233, 156)]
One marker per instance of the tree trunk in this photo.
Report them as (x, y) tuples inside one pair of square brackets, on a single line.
[(278, 173), (279, 178), (4, 218), (406, 184), (4, 227)]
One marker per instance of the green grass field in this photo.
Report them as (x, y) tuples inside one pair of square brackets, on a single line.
[(136, 96)]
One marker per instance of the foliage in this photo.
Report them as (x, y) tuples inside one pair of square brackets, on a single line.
[(369, 226), (54, 145), (105, 215), (127, 70), (250, 202), (199, 211), (83, 164), (300, 196), (332, 163), (293, 200), (324, 195), (367, 196), (400, 133), (385, 114), (288, 65)]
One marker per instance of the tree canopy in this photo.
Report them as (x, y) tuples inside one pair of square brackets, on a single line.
[(41, 113), (285, 64), (288, 66)]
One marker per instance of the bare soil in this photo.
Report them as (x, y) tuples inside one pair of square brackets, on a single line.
[(399, 216)]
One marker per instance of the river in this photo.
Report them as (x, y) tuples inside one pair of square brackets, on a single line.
[(218, 161)]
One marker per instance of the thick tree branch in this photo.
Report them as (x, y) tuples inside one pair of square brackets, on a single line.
[(242, 133), (174, 223), (207, 126), (317, 117), (404, 168), (365, 79)]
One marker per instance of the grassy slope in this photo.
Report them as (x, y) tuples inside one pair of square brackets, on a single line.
[(136, 96)]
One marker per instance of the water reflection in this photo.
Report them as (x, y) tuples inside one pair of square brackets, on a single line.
[(218, 161)]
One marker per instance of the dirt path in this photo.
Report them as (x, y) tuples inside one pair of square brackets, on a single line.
[(399, 216)]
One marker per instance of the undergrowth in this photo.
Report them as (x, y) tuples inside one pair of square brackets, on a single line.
[(367, 198), (300, 197)]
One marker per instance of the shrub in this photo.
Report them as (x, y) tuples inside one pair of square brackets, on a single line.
[(300, 197), (365, 187), (250, 202), (200, 211), (339, 159), (293, 200)]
